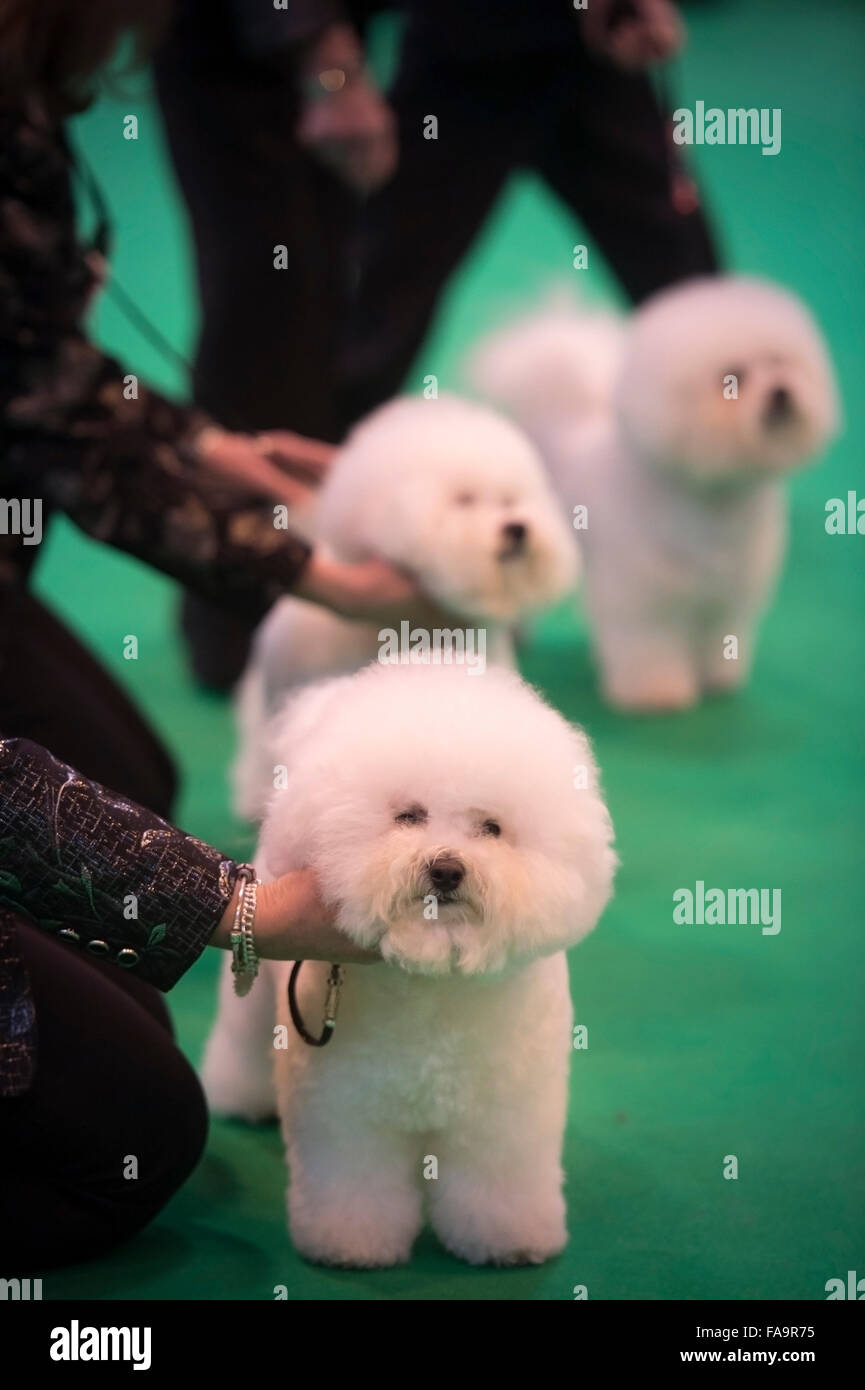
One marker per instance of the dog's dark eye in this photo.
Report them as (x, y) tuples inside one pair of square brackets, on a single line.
[(414, 815), (465, 499), (491, 827)]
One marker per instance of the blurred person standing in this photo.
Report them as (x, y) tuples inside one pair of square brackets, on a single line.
[(275, 129), (486, 88)]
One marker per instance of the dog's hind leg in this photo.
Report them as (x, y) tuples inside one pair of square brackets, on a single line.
[(646, 666), (726, 651), (237, 1071)]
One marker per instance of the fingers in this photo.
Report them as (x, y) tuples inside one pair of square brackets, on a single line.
[(314, 936), (336, 947), (238, 460), (295, 453), (281, 486)]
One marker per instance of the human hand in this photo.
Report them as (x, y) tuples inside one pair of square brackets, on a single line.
[(633, 34), (297, 454), (280, 465), (292, 922), (345, 121), (372, 591)]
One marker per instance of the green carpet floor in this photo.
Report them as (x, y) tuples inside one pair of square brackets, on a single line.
[(703, 1041)]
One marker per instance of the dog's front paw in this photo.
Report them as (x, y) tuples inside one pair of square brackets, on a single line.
[(353, 1217), (530, 1254), (357, 1243), (486, 1230), (507, 1249)]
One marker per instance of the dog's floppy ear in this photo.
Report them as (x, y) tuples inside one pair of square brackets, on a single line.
[(294, 738)]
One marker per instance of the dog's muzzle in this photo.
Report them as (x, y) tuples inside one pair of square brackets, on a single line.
[(445, 875), (515, 535), (780, 408)]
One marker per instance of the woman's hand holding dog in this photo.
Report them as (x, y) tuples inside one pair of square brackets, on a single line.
[(292, 922), (280, 465), (371, 591), (288, 468)]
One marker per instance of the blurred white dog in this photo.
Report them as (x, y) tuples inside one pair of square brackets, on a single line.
[(459, 824), (446, 489), (677, 453)]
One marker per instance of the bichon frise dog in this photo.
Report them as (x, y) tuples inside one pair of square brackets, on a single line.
[(446, 489), (673, 472), (458, 824)]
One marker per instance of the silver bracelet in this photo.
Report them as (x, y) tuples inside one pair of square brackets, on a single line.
[(244, 957)]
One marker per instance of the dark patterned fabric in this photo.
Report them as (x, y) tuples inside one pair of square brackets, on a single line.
[(72, 433), (17, 1014), (76, 859), (101, 873)]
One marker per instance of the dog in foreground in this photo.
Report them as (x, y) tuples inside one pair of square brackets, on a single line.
[(668, 440), (446, 489), (459, 825)]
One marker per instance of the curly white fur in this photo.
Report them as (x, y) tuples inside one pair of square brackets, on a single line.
[(430, 485), (680, 469), (456, 1049)]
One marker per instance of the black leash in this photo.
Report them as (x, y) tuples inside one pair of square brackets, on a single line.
[(102, 241), (331, 1004)]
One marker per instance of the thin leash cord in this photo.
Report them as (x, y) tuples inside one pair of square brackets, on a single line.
[(334, 983), (146, 328), (133, 313)]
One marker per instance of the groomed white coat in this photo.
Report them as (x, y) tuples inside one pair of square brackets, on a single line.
[(456, 1047), (678, 454), (446, 489)]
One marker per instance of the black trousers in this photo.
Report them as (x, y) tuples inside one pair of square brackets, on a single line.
[(114, 1121), (596, 136), (110, 1085), (53, 691), (267, 347)]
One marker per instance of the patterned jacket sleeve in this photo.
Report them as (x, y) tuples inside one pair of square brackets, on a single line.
[(101, 873), (81, 432)]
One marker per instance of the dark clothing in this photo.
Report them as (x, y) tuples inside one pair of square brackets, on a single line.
[(70, 852), (511, 89), (112, 1123), (227, 80), (89, 1076), (72, 435), (101, 903), (235, 31), (53, 691), (268, 336), (101, 874)]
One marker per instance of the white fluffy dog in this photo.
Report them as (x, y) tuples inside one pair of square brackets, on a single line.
[(446, 489), (723, 386), (458, 823)]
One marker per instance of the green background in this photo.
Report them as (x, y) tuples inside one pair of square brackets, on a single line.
[(703, 1041)]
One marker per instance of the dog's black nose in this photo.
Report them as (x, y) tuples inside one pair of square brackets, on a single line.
[(446, 874), (779, 406), (515, 533)]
